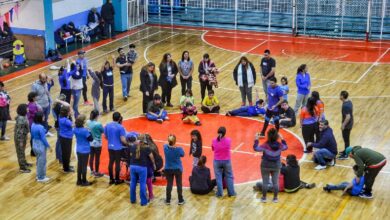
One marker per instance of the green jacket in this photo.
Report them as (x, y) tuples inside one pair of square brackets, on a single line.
[(365, 157)]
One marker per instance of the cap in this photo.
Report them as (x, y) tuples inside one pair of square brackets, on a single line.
[(348, 150)]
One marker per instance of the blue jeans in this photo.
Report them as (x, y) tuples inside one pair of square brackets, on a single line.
[(340, 186), (40, 152), (224, 167), (138, 173), (76, 98), (58, 147), (151, 117), (126, 83), (243, 112), (46, 113), (322, 154)]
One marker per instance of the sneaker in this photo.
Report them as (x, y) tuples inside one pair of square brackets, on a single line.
[(228, 114), (331, 163), (166, 118), (86, 183), (44, 180), (71, 170), (111, 182), (198, 123), (275, 200), (181, 202), (118, 182), (255, 188), (343, 157), (125, 98), (29, 164), (97, 174), (319, 167), (326, 188), (169, 105), (49, 134), (25, 170), (167, 202), (78, 183), (87, 103), (160, 121), (366, 195), (112, 110), (311, 185), (263, 200), (243, 104), (4, 138)]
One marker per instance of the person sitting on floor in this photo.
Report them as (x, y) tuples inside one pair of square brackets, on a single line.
[(188, 97), (249, 111), (200, 179), (210, 103), (354, 188), (287, 115), (327, 147), (289, 179), (189, 114), (156, 110)]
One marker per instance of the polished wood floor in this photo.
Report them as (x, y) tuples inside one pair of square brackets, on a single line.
[(22, 198)]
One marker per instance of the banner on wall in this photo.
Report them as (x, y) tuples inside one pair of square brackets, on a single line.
[(8, 17)]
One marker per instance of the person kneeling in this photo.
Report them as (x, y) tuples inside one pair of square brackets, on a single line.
[(354, 188), (156, 110), (287, 116), (327, 147), (189, 114), (200, 179), (210, 103)]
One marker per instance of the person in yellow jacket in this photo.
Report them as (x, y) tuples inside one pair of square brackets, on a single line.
[(210, 103)]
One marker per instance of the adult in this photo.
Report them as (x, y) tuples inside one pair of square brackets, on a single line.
[(83, 62), (319, 103), (107, 72), (94, 20), (56, 115), (167, 79), (97, 130), (346, 123), (5, 100), (200, 179), (186, 68), (43, 99), (32, 109), (267, 66), (108, 13), (65, 84), (126, 71), (303, 83), (270, 163), (156, 110), (204, 68), (327, 147), (221, 147), (244, 75), (173, 169), (77, 86), (274, 99), (140, 154), (287, 115), (148, 85), (309, 120), (369, 164), (66, 135), (115, 134)]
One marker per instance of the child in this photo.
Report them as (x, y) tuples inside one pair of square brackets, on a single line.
[(32, 108), (210, 103), (96, 85), (156, 110), (353, 188), (21, 131), (196, 146), (83, 149), (187, 98), (284, 87), (189, 114), (249, 111), (97, 130), (132, 54), (5, 100)]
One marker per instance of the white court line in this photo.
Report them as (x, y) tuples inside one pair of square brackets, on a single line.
[(372, 66), (238, 147), (151, 45), (284, 52)]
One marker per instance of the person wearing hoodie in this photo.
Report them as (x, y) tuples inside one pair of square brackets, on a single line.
[(303, 83), (327, 146), (369, 164), (107, 12), (64, 81), (77, 86), (354, 188), (43, 98), (200, 179)]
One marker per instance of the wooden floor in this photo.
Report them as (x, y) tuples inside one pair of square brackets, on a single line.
[(22, 198)]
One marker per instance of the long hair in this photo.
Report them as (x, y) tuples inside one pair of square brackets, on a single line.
[(80, 120), (164, 60), (202, 161), (182, 55), (292, 160), (197, 134), (146, 67), (143, 143), (221, 133), (272, 135), (104, 66), (315, 95), (93, 115), (245, 59), (64, 111), (301, 68), (311, 103)]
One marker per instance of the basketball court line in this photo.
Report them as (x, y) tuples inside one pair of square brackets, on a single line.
[(155, 43), (372, 66)]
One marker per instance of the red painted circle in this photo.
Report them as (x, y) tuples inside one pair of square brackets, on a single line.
[(245, 162)]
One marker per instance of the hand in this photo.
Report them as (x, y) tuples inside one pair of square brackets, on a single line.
[(147, 93), (154, 166), (112, 56), (273, 107), (263, 78)]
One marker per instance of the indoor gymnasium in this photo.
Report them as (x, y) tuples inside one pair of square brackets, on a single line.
[(194, 109)]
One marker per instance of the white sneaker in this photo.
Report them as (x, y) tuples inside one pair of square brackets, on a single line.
[(44, 180), (320, 167), (331, 163), (5, 138), (166, 118), (49, 134)]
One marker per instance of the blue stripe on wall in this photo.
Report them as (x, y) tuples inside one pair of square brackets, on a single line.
[(27, 31), (78, 19)]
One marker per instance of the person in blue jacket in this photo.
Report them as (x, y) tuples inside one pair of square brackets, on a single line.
[(66, 135), (303, 83), (353, 188), (40, 146), (83, 149), (249, 111), (64, 81), (83, 62)]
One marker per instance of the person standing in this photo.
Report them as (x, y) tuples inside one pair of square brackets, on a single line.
[(173, 169), (97, 130), (196, 146), (309, 117), (148, 85), (270, 163), (186, 68), (347, 122), (97, 84), (116, 137), (245, 77), (274, 99), (303, 83), (83, 62), (21, 130), (108, 13), (43, 99), (64, 81), (32, 109), (5, 100), (77, 86), (369, 164), (205, 66), (66, 136), (107, 72), (267, 66), (126, 71), (56, 115), (167, 80), (221, 147)]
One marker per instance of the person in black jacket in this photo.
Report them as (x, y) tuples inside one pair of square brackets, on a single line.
[(148, 85), (94, 22), (204, 68), (245, 77), (108, 13), (196, 146), (200, 179), (167, 80)]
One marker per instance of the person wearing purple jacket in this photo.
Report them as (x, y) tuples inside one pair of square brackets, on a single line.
[(32, 108), (303, 83), (270, 163)]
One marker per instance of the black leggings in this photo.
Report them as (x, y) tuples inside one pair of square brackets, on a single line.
[(346, 134), (82, 162), (66, 147), (95, 156), (85, 89), (166, 93), (115, 157), (308, 133), (145, 101), (203, 86), (67, 93), (177, 174), (268, 115)]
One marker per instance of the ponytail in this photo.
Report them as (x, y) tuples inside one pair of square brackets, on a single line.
[(221, 133)]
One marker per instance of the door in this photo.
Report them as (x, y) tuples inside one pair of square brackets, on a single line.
[(138, 12)]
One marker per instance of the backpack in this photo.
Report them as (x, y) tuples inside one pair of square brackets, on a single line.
[(53, 55)]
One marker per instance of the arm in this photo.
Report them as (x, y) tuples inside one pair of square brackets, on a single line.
[(253, 72), (360, 165), (42, 134), (200, 69), (181, 151), (180, 70), (345, 122), (271, 73), (235, 74), (349, 186), (151, 157)]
